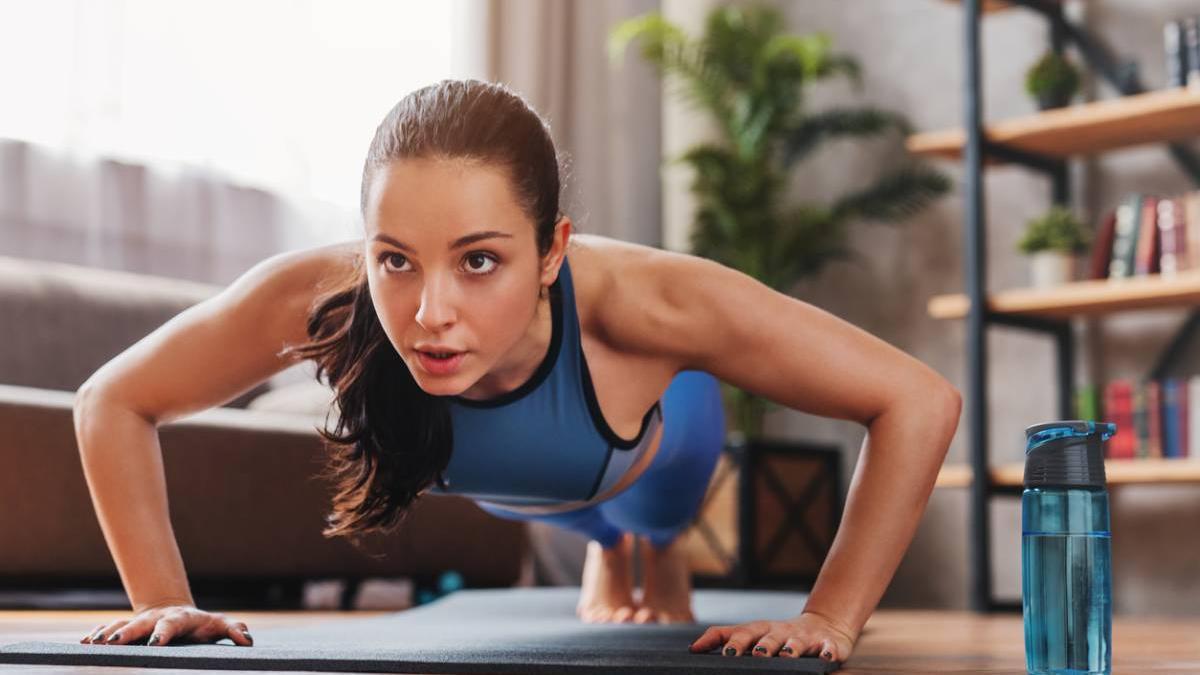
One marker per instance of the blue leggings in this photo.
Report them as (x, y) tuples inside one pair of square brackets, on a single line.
[(664, 500)]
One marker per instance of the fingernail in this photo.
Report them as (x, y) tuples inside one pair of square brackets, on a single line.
[(760, 649), (730, 651), (247, 634), (115, 637), (827, 654), (154, 639), (786, 649)]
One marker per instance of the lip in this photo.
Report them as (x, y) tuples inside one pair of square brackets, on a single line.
[(443, 366)]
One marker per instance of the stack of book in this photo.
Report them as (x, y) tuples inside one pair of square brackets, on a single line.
[(1148, 234), (1154, 419)]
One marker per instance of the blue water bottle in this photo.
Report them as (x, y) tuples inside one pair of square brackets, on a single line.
[(1066, 579)]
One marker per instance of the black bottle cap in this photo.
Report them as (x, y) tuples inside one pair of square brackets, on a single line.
[(1067, 453)]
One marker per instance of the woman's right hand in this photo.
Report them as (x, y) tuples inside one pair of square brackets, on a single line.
[(157, 626)]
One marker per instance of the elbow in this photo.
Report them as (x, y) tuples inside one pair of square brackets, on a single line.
[(949, 402)]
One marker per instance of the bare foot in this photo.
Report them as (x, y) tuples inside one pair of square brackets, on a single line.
[(607, 593), (666, 585)]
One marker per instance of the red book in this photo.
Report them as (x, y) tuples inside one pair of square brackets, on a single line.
[(1118, 409), (1102, 247), (1145, 257)]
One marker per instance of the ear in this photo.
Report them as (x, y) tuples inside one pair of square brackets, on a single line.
[(558, 251)]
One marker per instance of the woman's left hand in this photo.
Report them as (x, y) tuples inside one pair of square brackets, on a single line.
[(805, 635)]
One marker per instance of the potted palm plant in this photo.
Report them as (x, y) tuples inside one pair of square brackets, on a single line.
[(750, 76), (1053, 241)]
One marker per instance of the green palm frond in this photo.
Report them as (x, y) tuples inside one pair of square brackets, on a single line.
[(750, 75), (895, 196), (839, 122)]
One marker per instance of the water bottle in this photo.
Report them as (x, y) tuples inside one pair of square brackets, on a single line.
[(1066, 579)]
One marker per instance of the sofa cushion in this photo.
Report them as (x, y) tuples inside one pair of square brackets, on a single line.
[(64, 321)]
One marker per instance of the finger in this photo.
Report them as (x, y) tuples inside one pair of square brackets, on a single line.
[(768, 645), (743, 638), (712, 638), (112, 635), (165, 630), (240, 635), (133, 631)]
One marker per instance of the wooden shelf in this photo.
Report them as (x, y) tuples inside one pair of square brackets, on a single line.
[(1080, 298), (1152, 117), (990, 6), (1117, 472)]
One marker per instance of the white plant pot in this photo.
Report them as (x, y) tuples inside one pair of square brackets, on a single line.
[(1051, 268)]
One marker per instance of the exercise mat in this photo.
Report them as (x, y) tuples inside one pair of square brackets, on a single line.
[(507, 630)]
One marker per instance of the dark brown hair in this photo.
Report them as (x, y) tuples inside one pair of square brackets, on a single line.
[(393, 440)]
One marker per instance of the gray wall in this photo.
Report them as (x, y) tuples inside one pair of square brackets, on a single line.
[(911, 53)]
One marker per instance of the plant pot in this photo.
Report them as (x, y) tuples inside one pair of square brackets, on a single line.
[(1051, 268), (1053, 99), (769, 515)]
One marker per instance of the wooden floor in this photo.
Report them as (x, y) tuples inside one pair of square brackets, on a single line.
[(893, 642)]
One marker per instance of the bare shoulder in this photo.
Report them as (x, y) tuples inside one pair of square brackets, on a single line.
[(625, 290), (295, 279)]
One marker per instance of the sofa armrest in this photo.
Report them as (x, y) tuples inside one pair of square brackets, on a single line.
[(244, 500)]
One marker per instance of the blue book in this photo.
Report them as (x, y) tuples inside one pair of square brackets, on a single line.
[(1171, 431)]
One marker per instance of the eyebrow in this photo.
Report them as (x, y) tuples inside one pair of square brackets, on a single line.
[(457, 243)]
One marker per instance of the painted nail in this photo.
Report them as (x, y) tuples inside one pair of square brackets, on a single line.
[(115, 637), (786, 649), (154, 639), (760, 649), (730, 651), (827, 654)]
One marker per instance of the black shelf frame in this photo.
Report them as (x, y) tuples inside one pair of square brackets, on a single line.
[(1123, 76)]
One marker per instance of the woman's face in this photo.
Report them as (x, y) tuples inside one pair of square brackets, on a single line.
[(431, 291)]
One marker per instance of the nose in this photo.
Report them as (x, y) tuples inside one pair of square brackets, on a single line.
[(436, 310)]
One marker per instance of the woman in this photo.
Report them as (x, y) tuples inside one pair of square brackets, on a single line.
[(574, 377)]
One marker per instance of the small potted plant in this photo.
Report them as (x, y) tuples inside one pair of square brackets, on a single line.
[(1052, 242), (1053, 81)]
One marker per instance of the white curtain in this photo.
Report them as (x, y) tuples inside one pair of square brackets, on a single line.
[(194, 137), (606, 117)]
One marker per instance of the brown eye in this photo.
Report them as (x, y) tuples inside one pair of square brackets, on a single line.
[(383, 258), (473, 262)]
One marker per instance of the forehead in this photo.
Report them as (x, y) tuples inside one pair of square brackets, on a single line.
[(441, 195)]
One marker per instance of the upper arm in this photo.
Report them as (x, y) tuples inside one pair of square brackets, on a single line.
[(223, 346), (706, 316)]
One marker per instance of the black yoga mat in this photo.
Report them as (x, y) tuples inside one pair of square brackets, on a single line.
[(509, 630)]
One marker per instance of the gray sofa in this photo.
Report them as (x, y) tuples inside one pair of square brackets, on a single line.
[(245, 504)]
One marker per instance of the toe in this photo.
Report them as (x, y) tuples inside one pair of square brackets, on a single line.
[(623, 614)]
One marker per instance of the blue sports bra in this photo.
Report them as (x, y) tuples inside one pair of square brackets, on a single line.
[(546, 441)]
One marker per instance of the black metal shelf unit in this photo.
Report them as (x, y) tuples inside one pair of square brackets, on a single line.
[(1123, 76)]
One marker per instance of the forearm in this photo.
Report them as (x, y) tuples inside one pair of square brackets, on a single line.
[(122, 463), (896, 470)]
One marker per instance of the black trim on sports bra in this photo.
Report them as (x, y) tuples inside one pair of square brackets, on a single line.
[(543, 370), (598, 416)]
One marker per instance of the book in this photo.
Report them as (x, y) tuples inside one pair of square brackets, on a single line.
[(1102, 246), (1170, 417), (1128, 214), (1145, 259), (1191, 223), (1152, 392), (1087, 403), (1118, 409), (1173, 51), (1193, 443), (1191, 49), (1184, 400), (1170, 233)]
